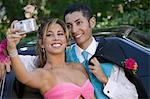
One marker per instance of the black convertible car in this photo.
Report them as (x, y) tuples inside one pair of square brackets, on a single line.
[(131, 40)]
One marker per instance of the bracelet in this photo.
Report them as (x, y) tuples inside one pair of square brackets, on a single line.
[(13, 53)]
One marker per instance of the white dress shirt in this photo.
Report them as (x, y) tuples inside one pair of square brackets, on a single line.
[(28, 61)]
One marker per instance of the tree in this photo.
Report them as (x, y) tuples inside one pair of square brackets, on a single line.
[(108, 12)]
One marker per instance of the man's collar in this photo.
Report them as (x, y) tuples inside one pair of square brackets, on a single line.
[(91, 48)]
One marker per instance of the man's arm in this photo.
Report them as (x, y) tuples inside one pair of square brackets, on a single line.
[(119, 87), (3, 69), (27, 60)]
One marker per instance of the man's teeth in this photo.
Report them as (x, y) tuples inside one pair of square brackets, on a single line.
[(78, 36)]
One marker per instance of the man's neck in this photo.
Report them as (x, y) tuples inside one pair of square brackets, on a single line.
[(86, 44)]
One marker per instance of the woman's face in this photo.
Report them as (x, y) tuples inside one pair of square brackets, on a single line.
[(54, 40)]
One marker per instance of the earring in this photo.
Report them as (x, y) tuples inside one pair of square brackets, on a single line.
[(44, 54)]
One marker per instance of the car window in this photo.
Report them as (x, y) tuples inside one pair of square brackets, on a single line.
[(140, 37), (128, 32)]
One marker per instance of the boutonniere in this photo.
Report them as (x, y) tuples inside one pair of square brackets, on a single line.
[(3, 53), (131, 64)]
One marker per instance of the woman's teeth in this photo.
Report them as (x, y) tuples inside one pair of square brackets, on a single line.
[(56, 45)]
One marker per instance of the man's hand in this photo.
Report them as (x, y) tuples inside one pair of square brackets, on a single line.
[(4, 67), (97, 71)]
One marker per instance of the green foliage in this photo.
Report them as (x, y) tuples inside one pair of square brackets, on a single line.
[(2, 36), (109, 13), (139, 19)]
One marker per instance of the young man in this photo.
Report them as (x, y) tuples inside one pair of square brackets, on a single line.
[(109, 80)]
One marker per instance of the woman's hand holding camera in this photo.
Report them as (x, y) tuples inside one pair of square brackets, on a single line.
[(13, 38)]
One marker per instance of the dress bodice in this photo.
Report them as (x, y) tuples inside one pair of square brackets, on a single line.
[(70, 91)]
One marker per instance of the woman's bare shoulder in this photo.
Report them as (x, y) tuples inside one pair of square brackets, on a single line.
[(41, 71)]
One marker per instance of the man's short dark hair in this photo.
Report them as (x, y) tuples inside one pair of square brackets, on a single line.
[(86, 11)]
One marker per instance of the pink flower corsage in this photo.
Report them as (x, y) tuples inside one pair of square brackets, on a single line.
[(3, 55), (131, 64)]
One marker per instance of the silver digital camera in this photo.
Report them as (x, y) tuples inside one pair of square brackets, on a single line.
[(26, 26)]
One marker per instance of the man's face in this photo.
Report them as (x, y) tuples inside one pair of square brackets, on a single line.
[(80, 28)]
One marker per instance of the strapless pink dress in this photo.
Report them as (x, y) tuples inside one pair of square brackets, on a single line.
[(70, 91)]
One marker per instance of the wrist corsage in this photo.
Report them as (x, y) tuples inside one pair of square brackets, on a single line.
[(3, 53), (131, 64)]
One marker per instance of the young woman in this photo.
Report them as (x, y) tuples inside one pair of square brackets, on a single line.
[(55, 78)]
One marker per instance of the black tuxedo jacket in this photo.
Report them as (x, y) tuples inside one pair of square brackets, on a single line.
[(109, 50)]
